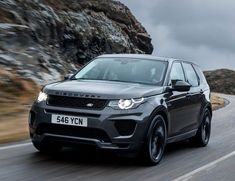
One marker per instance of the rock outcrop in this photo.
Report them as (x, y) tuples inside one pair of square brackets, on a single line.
[(44, 39), (221, 80)]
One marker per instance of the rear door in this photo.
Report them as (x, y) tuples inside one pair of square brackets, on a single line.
[(195, 95)]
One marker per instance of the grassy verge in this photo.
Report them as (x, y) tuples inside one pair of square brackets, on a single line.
[(14, 117), (16, 96), (217, 101)]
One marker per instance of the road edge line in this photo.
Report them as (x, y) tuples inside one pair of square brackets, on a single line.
[(189, 175), (14, 146)]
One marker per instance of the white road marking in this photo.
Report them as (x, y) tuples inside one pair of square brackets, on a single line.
[(15, 146), (205, 167)]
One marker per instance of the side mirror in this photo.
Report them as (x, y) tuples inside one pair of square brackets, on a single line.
[(180, 86), (68, 76)]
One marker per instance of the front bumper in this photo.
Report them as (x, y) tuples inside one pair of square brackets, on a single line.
[(107, 128)]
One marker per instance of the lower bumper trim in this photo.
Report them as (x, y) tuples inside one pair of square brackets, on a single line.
[(80, 140)]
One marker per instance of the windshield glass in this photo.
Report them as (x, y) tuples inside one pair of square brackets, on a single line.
[(124, 70)]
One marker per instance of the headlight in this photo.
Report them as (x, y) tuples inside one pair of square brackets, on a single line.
[(126, 103), (42, 97)]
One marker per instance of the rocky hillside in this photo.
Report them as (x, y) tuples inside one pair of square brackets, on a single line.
[(221, 80), (44, 39), (41, 40)]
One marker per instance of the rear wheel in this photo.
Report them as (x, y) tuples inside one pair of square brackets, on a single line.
[(47, 147), (203, 134), (155, 144)]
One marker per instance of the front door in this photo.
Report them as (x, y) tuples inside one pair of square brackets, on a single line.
[(178, 103)]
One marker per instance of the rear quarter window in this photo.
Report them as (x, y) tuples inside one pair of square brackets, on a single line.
[(200, 74)]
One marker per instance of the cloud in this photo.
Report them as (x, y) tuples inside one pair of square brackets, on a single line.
[(198, 30)]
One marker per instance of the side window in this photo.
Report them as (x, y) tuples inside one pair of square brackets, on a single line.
[(177, 72), (201, 75), (191, 75)]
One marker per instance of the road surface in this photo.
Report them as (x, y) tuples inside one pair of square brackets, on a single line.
[(181, 161)]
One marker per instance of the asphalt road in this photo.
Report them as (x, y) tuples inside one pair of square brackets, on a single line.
[(181, 161)]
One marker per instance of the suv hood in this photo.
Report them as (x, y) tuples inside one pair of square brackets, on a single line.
[(102, 89)]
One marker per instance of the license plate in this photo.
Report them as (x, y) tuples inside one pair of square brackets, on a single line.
[(69, 120)]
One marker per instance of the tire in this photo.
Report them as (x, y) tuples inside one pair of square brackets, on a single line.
[(154, 146), (201, 139), (47, 147)]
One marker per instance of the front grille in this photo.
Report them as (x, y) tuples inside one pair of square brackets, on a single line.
[(76, 102), (75, 131)]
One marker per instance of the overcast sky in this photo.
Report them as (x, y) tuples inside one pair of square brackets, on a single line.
[(202, 31)]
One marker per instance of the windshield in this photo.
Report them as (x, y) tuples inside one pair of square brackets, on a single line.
[(143, 71)]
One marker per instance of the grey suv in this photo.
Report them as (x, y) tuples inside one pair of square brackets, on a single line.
[(124, 102)]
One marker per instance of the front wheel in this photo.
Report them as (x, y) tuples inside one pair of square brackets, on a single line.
[(204, 131), (155, 143)]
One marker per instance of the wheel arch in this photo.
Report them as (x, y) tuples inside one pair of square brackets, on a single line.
[(208, 107), (162, 111)]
